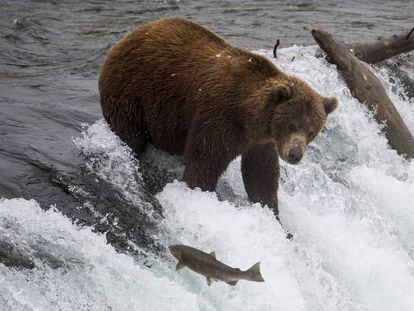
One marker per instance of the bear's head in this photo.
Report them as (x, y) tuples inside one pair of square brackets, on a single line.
[(297, 114)]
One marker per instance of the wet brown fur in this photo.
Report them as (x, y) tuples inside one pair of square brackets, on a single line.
[(181, 87)]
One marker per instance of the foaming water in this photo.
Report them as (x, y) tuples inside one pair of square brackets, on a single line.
[(348, 205), (107, 157), (89, 275)]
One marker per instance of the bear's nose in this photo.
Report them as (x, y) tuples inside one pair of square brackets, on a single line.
[(295, 155)]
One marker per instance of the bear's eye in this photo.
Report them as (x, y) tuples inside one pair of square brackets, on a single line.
[(292, 128), (310, 135)]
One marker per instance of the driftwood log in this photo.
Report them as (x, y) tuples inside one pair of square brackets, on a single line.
[(368, 89), (383, 48)]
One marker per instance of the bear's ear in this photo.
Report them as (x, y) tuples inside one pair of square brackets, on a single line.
[(330, 104), (279, 94)]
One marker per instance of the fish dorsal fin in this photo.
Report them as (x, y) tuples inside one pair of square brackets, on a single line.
[(179, 266), (232, 283), (213, 253), (210, 280)]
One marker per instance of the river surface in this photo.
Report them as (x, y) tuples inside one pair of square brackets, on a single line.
[(68, 186)]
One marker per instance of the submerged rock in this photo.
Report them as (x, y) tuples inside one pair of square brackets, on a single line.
[(11, 256), (19, 255)]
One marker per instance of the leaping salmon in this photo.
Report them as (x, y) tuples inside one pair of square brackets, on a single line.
[(208, 266)]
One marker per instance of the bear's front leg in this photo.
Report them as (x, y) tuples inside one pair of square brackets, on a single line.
[(213, 141), (260, 171), (204, 166), (206, 157), (202, 174)]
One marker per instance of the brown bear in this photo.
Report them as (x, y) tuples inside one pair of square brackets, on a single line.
[(183, 88)]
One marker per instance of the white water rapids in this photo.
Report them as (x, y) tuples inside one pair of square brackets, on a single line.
[(349, 205)]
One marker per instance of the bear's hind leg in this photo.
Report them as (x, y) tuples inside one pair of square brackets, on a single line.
[(125, 118), (135, 139), (260, 171)]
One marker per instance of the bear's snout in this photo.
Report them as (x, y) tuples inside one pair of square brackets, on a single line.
[(293, 149), (295, 155)]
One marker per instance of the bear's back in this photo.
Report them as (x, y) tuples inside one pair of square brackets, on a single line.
[(159, 47)]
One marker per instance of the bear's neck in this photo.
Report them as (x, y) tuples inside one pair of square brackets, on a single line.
[(258, 117)]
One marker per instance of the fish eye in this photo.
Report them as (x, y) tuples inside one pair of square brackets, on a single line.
[(292, 128)]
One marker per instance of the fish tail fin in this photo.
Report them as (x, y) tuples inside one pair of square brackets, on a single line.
[(253, 274)]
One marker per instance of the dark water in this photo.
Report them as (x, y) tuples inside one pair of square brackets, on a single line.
[(51, 52)]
